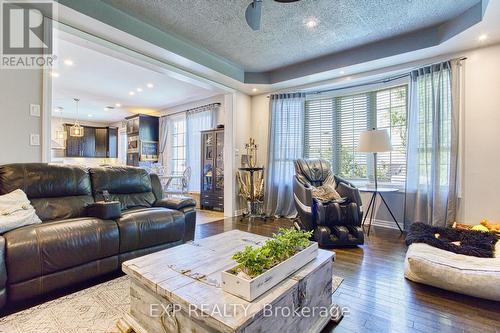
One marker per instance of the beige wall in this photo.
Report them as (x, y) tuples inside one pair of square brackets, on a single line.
[(481, 176), (242, 120), (18, 89), (481, 126)]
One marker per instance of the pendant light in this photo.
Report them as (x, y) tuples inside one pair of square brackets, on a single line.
[(76, 130), (61, 133)]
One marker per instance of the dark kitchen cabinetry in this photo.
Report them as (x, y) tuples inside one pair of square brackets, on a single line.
[(143, 137), (212, 169), (88, 146), (98, 142)]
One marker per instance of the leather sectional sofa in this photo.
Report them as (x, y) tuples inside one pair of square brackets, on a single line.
[(70, 246)]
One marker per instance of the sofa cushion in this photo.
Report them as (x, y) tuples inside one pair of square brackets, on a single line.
[(42, 249), (131, 186), (56, 192), (146, 227)]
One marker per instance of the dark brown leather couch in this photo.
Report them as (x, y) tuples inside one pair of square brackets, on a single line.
[(70, 246)]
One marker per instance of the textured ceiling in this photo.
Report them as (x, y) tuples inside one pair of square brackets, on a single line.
[(220, 27)]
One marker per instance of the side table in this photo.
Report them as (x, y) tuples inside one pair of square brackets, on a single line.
[(371, 207)]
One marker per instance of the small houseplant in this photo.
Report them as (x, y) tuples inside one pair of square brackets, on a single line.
[(253, 261), (259, 269)]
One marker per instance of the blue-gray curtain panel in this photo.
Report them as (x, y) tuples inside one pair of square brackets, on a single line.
[(286, 144), (433, 143)]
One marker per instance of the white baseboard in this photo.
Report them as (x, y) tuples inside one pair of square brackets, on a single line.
[(384, 224)]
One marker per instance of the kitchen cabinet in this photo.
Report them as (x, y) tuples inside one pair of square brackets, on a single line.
[(97, 142), (143, 137), (88, 143)]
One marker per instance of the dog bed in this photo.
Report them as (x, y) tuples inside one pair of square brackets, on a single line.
[(474, 276)]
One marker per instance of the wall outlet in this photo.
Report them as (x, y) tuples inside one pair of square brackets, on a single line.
[(35, 110), (35, 139)]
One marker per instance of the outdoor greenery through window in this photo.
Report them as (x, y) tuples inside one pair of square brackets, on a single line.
[(333, 126)]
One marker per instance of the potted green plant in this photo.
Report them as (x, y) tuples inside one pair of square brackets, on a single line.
[(259, 269)]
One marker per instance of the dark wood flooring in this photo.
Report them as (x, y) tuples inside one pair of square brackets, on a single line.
[(375, 293)]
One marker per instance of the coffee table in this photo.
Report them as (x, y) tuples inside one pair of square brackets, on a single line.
[(179, 290)]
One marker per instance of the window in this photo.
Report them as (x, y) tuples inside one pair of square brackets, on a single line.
[(333, 126), (178, 157), (428, 151), (184, 143)]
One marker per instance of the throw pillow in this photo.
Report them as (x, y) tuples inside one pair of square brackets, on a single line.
[(16, 211), (325, 193)]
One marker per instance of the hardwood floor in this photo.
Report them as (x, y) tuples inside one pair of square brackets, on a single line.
[(377, 296)]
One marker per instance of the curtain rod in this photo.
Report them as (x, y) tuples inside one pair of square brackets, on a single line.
[(193, 109), (385, 80)]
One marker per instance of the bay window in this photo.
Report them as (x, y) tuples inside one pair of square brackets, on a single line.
[(333, 126)]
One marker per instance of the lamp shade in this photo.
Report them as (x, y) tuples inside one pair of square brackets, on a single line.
[(375, 141)]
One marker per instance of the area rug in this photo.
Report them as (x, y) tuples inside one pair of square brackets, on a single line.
[(93, 310)]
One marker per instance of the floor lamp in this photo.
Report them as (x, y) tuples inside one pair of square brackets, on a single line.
[(376, 141)]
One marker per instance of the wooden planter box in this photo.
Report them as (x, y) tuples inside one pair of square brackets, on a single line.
[(251, 289)]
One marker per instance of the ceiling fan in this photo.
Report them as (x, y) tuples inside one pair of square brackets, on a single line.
[(253, 13)]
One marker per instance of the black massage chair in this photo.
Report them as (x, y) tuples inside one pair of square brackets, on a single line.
[(335, 223)]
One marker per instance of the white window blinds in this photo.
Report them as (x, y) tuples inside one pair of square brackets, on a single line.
[(333, 126)]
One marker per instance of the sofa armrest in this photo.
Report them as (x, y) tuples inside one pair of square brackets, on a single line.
[(177, 203), (185, 205), (3, 273)]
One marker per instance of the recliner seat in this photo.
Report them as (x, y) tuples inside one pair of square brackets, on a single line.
[(333, 223), (70, 247)]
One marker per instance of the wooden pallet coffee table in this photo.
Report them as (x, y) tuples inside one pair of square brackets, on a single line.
[(179, 290)]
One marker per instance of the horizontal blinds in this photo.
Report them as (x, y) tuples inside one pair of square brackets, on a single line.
[(319, 130), (333, 127), (391, 115), (353, 118)]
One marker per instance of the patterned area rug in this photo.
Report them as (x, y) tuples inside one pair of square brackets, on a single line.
[(93, 310)]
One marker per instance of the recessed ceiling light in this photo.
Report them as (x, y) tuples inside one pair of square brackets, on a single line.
[(150, 85), (131, 93), (54, 74), (68, 62), (311, 23), (255, 89), (342, 72), (118, 105), (482, 37), (139, 89)]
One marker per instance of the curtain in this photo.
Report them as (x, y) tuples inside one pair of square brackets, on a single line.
[(286, 144), (433, 141), (164, 125), (198, 120)]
